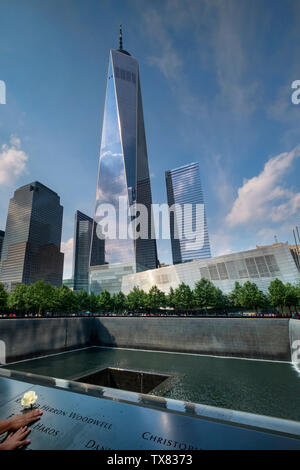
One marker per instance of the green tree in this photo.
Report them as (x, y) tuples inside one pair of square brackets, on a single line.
[(155, 299), (277, 293), (235, 295), (248, 295), (171, 298), (67, 301), (3, 297), (183, 297), (251, 296), (105, 302), (17, 298), (205, 294), (297, 289), (93, 301), (136, 299), (291, 296), (118, 302), (82, 300), (220, 300), (41, 297)]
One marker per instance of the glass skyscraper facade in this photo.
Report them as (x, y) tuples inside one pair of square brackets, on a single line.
[(31, 247), (81, 252), (188, 226), (1, 241), (123, 173)]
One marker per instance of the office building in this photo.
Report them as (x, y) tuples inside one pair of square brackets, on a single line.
[(123, 177), (188, 226), (31, 246), (81, 251), (259, 265), (2, 233)]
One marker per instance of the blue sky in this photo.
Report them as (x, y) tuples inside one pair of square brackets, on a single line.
[(216, 84)]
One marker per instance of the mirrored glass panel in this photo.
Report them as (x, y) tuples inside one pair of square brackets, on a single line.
[(112, 195)]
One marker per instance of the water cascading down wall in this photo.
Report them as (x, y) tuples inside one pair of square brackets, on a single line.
[(246, 337)]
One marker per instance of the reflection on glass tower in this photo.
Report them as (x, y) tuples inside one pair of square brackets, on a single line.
[(31, 246), (183, 189), (123, 173), (81, 253), (1, 241)]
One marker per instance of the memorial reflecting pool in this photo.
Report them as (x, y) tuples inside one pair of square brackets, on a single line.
[(263, 387)]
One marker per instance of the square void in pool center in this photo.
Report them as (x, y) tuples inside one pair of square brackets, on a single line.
[(126, 379)]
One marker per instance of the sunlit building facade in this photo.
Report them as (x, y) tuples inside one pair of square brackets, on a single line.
[(31, 246), (2, 233), (259, 265), (188, 226), (123, 177)]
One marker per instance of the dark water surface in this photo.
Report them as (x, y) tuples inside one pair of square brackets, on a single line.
[(269, 388)]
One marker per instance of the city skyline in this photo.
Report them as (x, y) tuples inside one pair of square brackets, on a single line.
[(204, 100)]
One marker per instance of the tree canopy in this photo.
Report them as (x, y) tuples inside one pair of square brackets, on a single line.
[(42, 297)]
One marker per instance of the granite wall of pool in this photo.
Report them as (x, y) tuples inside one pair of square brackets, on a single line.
[(246, 337)]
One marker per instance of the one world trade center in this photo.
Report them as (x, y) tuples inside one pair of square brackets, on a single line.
[(123, 181)]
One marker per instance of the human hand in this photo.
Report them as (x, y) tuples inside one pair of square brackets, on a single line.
[(21, 420), (16, 440)]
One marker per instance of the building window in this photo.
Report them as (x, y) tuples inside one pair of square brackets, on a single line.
[(241, 269), (222, 271), (262, 266), (272, 264), (125, 75), (231, 269), (204, 273), (251, 266), (214, 273), (162, 279)]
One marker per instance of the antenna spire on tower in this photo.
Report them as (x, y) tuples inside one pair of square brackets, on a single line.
[(121, 42), (121, 38)]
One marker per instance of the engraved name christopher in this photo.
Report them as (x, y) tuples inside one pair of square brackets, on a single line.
[(148, 436)]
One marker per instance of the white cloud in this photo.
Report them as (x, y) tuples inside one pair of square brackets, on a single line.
[(168, 61), (12, 161), (262, 197), (216, 31), (67, 249), (221, 243)]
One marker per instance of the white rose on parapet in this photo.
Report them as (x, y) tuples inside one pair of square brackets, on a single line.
[(29, 399)]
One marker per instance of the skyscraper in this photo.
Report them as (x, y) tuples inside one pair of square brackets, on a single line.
[(123, 175), (1, 241), (31, 247), (188, 227), (81, 253)]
